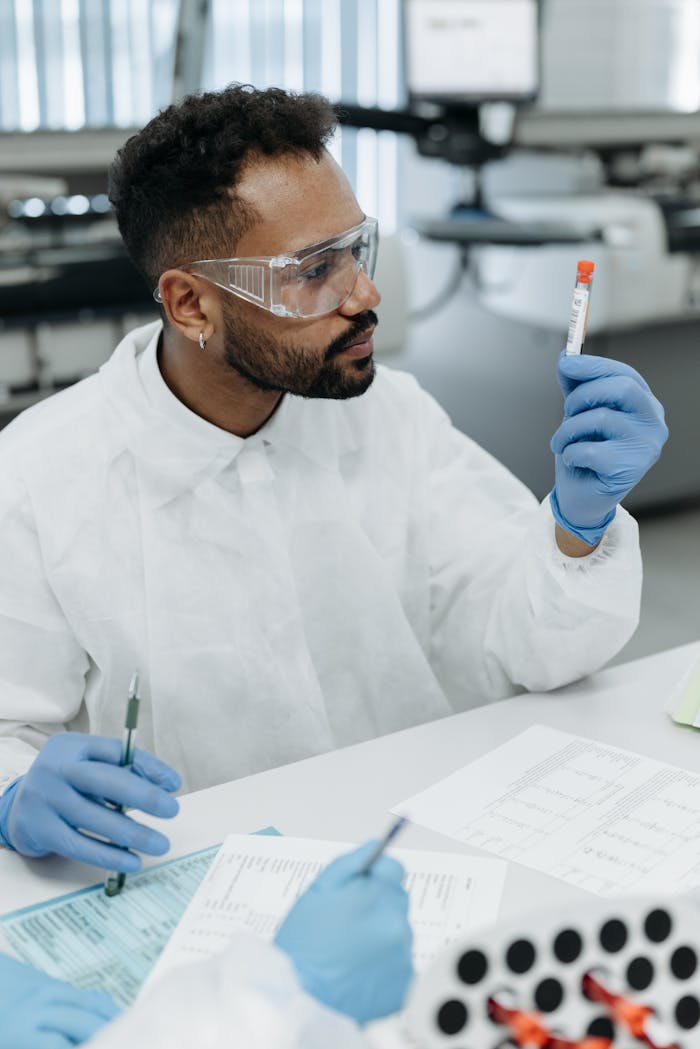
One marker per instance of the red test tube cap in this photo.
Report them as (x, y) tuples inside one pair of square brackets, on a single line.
[(584, 270)]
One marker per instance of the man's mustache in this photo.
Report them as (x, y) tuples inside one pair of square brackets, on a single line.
[(362, 323)]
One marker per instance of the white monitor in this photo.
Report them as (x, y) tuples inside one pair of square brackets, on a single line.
[(468, 51)]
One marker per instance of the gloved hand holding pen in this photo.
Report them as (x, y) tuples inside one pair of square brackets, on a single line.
[(349, 938), (612, 433), (69, 794)]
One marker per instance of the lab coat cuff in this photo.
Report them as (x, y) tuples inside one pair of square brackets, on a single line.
[(16, 755), (619, 544), (590, 536), (6, 801)]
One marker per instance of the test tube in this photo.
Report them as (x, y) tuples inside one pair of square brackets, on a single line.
[(579, 306)]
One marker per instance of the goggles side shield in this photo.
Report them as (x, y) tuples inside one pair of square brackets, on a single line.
[(315, 281)]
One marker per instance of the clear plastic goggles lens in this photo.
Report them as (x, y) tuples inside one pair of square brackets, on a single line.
[(325, 279)]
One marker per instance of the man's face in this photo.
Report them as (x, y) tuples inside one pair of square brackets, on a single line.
[(300, 202)]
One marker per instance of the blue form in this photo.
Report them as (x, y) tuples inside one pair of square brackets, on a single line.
[(92, 940)]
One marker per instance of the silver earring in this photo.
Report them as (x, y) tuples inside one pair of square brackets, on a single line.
[(202, 341)]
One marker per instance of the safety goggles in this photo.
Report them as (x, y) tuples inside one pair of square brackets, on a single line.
[(317, 280)]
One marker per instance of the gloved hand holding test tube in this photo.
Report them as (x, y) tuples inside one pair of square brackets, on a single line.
[(612, 432)]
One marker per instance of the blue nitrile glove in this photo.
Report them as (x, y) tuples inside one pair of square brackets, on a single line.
[(38, 1012), (613, 431), (349, 938), (69, 790)]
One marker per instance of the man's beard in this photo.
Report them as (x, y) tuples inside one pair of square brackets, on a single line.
[(288, 368)]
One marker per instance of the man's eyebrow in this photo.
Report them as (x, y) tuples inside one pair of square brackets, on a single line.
[(323, 240)]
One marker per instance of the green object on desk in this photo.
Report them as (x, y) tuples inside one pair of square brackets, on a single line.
[(684, 706), (92, 940)]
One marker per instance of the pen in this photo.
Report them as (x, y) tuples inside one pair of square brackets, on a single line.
[(115, 882), (381, 845)]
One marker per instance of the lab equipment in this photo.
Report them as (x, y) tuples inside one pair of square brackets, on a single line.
[(313, 281), (612, 433), (580, 306), (618, 181), (468, 63), (622, 973), (645, 273), (64, 285), (38, 1012), (349, 937), (411, 533), (67, 792), (469, 51), (115, 881), (383, 843)]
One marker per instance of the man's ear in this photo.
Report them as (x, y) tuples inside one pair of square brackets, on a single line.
[(189, 303)]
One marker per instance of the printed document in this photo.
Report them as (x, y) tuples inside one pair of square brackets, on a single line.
[(92, 940), (602, 818), (254, 881)]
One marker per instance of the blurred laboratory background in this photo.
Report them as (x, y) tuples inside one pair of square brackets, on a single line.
[(497, 141)]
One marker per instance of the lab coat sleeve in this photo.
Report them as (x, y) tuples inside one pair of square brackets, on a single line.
[(42, 666), (509, 610), (247, 996)]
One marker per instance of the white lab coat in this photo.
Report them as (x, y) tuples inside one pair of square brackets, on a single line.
[(247, 997), (354, 568)]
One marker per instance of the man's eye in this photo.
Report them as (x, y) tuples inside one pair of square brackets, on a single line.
[(315, 272)]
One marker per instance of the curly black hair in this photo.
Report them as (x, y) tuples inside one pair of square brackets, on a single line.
[(172, 185)]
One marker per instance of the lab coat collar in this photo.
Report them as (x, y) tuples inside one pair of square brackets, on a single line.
[(182, 448), (320, 429)]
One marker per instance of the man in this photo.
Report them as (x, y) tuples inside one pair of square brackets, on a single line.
[(294, 547)]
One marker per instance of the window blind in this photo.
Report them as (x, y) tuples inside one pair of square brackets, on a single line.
[(72, 64)]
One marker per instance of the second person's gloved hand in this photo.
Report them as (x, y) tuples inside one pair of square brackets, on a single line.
[(72, 787), (613, 432), (349, 938), (38, 1012)]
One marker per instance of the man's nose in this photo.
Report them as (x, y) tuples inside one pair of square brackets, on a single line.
[(364, 296)]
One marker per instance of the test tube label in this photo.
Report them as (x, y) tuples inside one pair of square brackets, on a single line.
[(577, 323)]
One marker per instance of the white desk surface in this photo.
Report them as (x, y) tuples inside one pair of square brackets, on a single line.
[(345, 795)]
